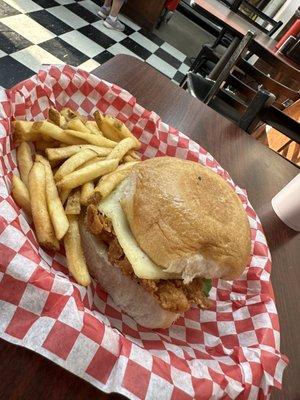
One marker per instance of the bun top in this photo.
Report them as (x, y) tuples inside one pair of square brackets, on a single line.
[(187, 219)]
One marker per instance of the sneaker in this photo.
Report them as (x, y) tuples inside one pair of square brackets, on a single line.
[(116, 25), (103, 12)]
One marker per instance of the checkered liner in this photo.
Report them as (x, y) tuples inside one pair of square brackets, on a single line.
[(230, 351)]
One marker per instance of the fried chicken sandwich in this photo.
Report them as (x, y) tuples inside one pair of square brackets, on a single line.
[(158, 239)]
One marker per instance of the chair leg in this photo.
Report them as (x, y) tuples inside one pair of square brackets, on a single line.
[(285, 146), (296, 153)]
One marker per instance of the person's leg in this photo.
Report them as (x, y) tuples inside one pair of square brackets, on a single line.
[(105, 9), (116, 7), (112, 21)]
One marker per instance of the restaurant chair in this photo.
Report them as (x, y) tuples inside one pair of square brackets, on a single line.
[(247, 72)]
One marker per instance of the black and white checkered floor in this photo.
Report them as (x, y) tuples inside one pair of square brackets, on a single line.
[(35, 32)]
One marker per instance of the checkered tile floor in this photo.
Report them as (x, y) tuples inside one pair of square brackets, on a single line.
[(69, 31)]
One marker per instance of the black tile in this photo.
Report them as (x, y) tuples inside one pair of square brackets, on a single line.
[(136, 48), (188, 61), (103, 57), (64, 51), (178, 77), (46, 3), (97, 36), (6, 10), (168, 58), (82, 12), (11, 41), (12, 72), (150, 35), (50, 22), (128, 31)]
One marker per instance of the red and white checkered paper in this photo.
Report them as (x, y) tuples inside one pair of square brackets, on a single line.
[(230, 351)]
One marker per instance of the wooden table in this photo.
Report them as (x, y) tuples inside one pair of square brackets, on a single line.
[(25, 375), (262, 43)]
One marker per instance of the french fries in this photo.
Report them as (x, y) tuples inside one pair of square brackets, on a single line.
[(56, 211), (54, 188), (97, 140), (87, 174), (112, 128), (109, 182), (24, 160), (20, 194), (64, 194), (122, 148), (49, 131), (62, 153), (73, 204), (86, 190), (73, 163), (74, 253), (57, 118), (23, 131), (76, 124), (41, 218), (93, 127)]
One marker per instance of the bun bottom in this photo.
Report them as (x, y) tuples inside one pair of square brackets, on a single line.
[(132, 298)]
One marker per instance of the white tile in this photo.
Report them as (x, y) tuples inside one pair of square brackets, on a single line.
[(120, 49), (128, 22), (28, 28), (24, 6), (115, 35), (2, 54), (90, 5), (184, 68), (174, 52), (67, 16), (89, 65), (34, 57), (145, 42), (63, 2), (82, 43), (161, 65)]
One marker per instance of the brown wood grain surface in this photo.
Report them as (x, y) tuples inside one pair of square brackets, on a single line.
[(262, 46), (25, 375), (144, 12)]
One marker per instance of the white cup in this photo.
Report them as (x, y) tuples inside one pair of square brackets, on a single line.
[(286, 204)]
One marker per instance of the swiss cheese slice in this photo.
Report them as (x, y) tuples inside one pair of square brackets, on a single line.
[(142, 265)]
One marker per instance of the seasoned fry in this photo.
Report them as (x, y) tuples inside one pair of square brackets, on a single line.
[(66, 152), (93, 127), (42, 145), (109, 182), (63, 195), (122, 148), (76, 124), (23, 132), (86, 190), (41, 218), (74, 253), (86, 174), (55, 207), (73, 204), (93, 161), (20, 194), (73, 163), (24, 160), (57, 119), (97, 140), (134, 155), (112, 128), (128, 158), (51, 131)]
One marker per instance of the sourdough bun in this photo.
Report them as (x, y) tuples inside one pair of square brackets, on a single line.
[(187, 219), (126, 293)]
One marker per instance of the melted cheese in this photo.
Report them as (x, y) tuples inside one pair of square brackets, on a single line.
[(142, 265)]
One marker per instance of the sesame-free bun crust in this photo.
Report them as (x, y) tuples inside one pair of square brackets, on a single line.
[(179, 211)]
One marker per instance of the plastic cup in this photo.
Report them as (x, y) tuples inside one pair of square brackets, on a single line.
[(286, 204)]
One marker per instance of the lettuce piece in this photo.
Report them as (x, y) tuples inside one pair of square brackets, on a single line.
[(206, 286)]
